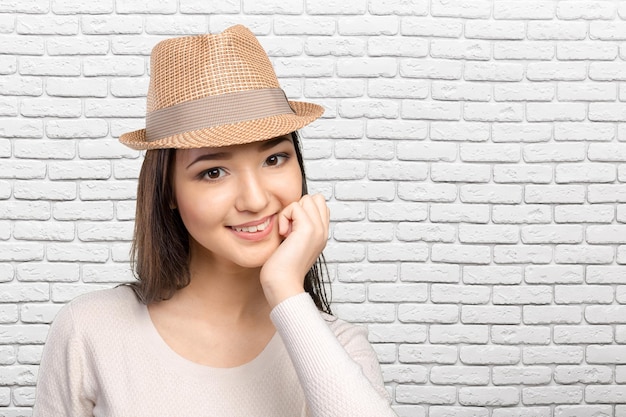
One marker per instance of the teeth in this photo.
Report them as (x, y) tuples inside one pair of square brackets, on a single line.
[(253, 229)]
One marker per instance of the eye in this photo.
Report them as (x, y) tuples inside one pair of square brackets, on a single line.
[(212, 173), (276, 159)]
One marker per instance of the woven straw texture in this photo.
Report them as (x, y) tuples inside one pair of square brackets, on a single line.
[(193, 67)]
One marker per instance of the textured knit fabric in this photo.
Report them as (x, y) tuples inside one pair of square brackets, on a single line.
[(104, 357)]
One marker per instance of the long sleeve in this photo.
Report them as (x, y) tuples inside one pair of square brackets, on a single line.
[(62, 380), (338, 380)]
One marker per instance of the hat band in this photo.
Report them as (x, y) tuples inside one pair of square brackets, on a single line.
[(211, 111)]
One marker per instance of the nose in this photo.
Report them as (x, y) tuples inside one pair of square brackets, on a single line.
[(252, 194)]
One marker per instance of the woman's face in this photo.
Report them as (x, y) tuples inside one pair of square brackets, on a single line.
[(228, 198)]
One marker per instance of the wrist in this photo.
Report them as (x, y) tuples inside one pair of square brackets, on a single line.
[(275, 296)]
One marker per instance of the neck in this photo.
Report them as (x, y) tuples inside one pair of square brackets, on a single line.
[(225, 293)]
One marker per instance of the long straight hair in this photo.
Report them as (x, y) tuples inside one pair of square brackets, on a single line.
[(160, 249)]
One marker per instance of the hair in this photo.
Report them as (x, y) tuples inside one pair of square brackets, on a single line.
[(160, 249)]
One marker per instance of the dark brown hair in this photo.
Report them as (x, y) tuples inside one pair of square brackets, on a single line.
[(160, 249)]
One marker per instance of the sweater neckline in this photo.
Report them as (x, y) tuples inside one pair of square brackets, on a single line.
[(168, 357)]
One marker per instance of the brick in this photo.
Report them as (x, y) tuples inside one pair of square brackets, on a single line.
[(520, 335), (336, 170), (523, 50), (490, 355), (37, 230), (427, 395), (451, 91), (132, 45), (474, 173), (553, 274), (489, 396), (517, 254), (481, 29), (346, 211), (545, 355), (552, 395), (371, 313), (607, 152), (356, 232), (590, 10), (573, 131), (459, 131), (23, 374), (415, 252), (471, 254), (83, 252), (425, 313), (404, 373), (105, 149), (76, 87), (66, 66), (25, 210), (513, 132), (304, 26), (488, 234), (554, 152), (524, 214), (397, 293), (368, 25), (415, 272), (111, 25), (428, 151), (556, 71), (6, 272), (455, 49), (182, 25), (320, 88), (44, 190), (21, 45), (596, 51), (552, 314), (361, 67), (607, 31), (431, 69), (465, 375), (605, 314), (490, 315), (20, 128), (65, 107), (605, 275), (47, 25), (395, 46), (606, 234), (101, 231), (396, 88), (43, 149), (8, 66), (534, 174), (213, 7), (368, 191), (345, 252), (575, 254), (490, 71), (82, 7), (606, 112), (610, 394), (552, 234), (72, 129), (524, 295), (524, 92), (52, 272), (450, 333), (568, 374), (528, 375), (396, 129), (125, 210), (555, 194), (368, 273), (492, 274), (8, 314), (146, 6), (461, 8), (493, 112), (542, 112), (20, 86), (39, 313), (606, 193), (586, 334), (459, 294), (128, 168), (62, 293), (107, 273), (457, 213), (567, 31), (358, 108), (397, 171), (596, 213)]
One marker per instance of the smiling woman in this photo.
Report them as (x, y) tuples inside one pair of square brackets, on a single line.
[(228, 316)]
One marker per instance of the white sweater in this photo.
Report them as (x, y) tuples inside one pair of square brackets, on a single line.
[(104, 357)]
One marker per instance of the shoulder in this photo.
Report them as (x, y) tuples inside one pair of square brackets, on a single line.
[(98, 309)]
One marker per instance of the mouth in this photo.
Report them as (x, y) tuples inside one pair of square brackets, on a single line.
[(253, 228)]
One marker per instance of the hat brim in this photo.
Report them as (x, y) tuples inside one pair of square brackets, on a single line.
[(231, 134)]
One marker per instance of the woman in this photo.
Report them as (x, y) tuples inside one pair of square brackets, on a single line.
[(228, 316)]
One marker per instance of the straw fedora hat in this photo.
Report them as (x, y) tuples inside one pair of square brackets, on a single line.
[(215, 90)]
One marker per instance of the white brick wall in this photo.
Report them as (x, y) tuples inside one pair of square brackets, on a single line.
[(473, 153)]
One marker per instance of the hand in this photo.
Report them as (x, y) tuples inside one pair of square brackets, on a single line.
[(304, 224)]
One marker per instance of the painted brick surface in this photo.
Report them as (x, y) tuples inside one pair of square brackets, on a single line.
[(472, 154)]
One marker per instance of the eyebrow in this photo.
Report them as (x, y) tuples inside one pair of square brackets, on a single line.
[(265, 145)]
